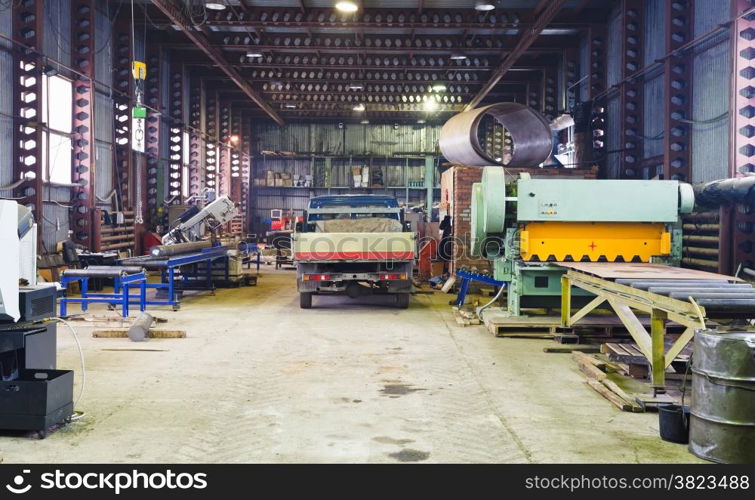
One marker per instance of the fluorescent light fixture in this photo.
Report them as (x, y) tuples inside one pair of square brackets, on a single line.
[(347, 6), (215, 5), (365, 122), (484, 6), (430, 105), (458, 57), (359, 107), (290, 106), (439, 87), (254, 54), (421, 121), (356, 86)]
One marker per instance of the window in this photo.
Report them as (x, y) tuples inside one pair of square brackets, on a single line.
[(57, 110)]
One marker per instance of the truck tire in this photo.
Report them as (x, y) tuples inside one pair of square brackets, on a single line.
[(305, 300), (402, 300)]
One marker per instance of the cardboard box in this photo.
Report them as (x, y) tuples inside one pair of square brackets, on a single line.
[(288, 183), (278, 182), (436, 268)]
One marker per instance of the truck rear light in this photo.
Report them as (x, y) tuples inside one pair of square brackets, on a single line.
[(316, 277), (401, 276)]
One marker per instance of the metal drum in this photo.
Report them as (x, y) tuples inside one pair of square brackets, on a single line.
[(722, 411)]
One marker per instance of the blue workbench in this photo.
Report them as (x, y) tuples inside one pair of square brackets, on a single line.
[(190, 271)]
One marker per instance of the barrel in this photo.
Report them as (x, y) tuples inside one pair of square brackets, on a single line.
[(722, 411)]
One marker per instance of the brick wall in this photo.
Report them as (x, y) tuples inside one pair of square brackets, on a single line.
[(461, 213)]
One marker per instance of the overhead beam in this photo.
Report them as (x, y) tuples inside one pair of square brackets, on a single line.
[(527, 39), (199, 37)]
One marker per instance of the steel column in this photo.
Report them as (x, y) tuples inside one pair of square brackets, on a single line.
[(82, 46), (28, 25), (224, 158), (631, 98), (122, 81), (196, 139), (154, 119), (677, 78), (742, 151), (596, 85), (211, 140), (175, 136), (551, 96), (246, 171)]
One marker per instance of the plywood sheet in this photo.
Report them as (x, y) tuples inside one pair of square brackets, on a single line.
[(618, 270)]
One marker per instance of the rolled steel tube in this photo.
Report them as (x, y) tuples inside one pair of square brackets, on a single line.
[(179, 248), (725, 192), (139, 329), (679, 289), (113, 272), (125, 269), (728, 304), (712, 295), (701, 251), (710, 264), (701, 239), (531, 136)]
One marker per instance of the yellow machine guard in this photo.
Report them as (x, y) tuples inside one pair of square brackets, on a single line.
[(611, 240)]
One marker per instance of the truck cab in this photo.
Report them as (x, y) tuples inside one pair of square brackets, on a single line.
[(353, 245)]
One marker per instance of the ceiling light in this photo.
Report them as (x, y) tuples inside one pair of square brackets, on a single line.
[(356, 86), (483, 6), (234, 139), (215, 5), (439, 87), (458, 57), (291, 106), (421, 121), (347, 6), (430, 105), (359, 107), (365, 122), (254, 54)]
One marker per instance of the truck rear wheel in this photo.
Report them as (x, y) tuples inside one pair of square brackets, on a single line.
[(402, 300), (305, 300)]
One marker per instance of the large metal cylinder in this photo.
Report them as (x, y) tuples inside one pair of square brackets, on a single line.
[(725, 192), (722, 412), (530, 133), (179, 248)]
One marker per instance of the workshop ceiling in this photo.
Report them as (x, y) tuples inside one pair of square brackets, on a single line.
[(307, 60)]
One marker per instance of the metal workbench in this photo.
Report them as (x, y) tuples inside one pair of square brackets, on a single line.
[(685, 296), (190, 271)]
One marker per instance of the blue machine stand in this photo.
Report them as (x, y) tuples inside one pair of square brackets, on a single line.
[(191, 271), (466, 278), (121, 294)]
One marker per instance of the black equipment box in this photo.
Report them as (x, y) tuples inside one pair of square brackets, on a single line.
[(37, 302), (36, 400)]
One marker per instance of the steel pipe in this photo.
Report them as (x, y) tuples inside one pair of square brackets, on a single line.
[(179, 248), (713, 295), (531, 136), (645, 284), (107, 272), (690, 291), (139, 329)]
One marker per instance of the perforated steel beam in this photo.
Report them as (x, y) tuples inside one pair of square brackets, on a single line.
[(631, 91), (197, 35), (82, 155), (153, 132), (742, 152), (28, 25), (677, 78)]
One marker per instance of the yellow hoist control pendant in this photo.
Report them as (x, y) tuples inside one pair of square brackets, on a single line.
[(139, 70)]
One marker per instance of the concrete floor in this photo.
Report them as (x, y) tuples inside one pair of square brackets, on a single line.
[(258, 380)]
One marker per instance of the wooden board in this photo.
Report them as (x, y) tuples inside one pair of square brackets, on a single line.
[(153, 334), (618, 270)]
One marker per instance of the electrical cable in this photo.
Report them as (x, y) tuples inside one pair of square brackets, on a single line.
[(81, 360)]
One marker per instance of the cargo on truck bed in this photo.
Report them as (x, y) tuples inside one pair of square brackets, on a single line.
[(354, 245)]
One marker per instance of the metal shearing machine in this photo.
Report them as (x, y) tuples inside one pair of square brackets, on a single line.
[(581, 244)]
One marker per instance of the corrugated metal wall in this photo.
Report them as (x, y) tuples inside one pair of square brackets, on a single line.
[(710, 95), (103, 54), (613, 49), (57, 35), (378, 139), (654, 48), (6, 104)]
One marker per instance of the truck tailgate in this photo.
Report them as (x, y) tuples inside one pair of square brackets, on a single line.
[(329, 247)]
